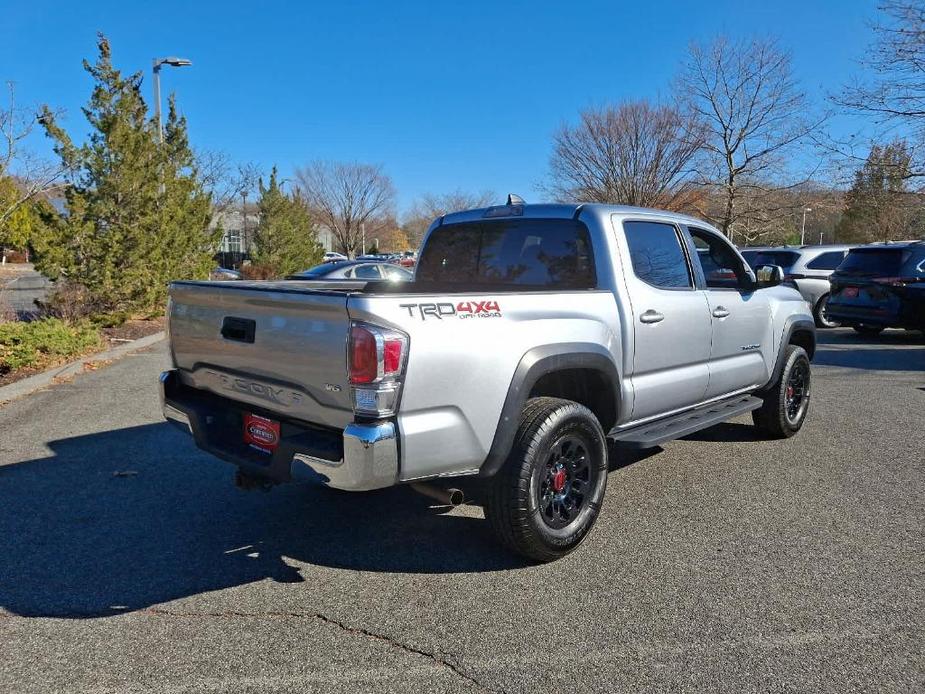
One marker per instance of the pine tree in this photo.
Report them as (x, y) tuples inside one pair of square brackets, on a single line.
[(285, 239), (137, 211), (18, 229), (879, 206)]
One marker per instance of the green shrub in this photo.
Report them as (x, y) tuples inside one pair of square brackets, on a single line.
[(110, 320), (43, 342)]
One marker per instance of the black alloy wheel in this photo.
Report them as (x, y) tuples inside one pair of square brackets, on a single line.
[(548, 494), (568, 477)]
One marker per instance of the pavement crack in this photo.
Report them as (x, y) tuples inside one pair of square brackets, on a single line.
[(437, 659)]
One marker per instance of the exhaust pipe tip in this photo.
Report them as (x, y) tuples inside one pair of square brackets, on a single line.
[(455, 496), (448, 497)]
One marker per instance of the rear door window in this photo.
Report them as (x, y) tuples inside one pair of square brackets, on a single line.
[(394, 272), (826, 261), (784, 259), (535, 253), (366, 272), (657, 255)]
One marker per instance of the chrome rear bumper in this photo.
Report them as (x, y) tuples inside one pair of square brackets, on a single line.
[(370, 459), (366, 457)]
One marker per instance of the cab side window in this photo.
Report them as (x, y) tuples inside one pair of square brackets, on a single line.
[(721, 265), (657, 255)]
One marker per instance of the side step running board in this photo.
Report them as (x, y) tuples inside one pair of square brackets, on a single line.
[(680, 425)]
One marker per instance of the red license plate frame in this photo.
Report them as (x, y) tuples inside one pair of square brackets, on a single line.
[(261, 433)]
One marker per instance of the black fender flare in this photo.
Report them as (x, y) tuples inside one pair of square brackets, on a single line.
[(535, 363), (791, 325)]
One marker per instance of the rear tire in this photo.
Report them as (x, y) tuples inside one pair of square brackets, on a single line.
[(548, 495), (822, 321), (867, 329), (787, 403)]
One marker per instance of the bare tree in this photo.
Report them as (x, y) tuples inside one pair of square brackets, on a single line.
[(33, 175), (634, 154), (345, 197), (427, 207), (894, 93), (224, 179), (755, 115)]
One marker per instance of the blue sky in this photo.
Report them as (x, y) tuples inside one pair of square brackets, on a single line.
[(444, 95)]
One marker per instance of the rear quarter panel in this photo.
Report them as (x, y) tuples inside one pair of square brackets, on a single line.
[(460, 365)]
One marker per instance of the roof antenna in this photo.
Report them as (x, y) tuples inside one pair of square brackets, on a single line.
[(514, 199)]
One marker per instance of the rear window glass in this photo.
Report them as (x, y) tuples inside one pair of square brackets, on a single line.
[(322, 269), (785, 259), (826, 261), (886, 262), (915, 263), (521, 252)]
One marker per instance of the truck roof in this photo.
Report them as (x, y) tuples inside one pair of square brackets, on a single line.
[(566, 211)]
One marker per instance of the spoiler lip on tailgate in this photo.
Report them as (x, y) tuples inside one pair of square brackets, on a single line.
[(281, 286)]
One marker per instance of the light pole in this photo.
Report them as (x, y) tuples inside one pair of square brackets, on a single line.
[(803, 227), (244, 248), (173, 61)]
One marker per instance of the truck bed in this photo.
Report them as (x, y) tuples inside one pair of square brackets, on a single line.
[(289, 354)]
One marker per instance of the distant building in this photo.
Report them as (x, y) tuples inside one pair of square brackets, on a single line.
[(237, 244), (237, 241), (325, 237)]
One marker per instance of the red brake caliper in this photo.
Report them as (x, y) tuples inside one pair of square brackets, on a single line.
[(558, 480)]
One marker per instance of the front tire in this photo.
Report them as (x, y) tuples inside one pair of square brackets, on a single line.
[(819, 313), (787, 403), (548, 495)]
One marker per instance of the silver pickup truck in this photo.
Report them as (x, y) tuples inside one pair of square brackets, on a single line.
[(534, 343)]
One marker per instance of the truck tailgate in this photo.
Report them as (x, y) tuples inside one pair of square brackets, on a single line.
[(279, 346)]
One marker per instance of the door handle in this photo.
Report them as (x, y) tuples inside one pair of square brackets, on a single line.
[(720, 312), (651, 316)]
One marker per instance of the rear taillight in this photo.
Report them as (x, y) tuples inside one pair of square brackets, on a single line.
[(364, 360), (376, 361)]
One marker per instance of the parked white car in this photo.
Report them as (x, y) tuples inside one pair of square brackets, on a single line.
[(807, 268)]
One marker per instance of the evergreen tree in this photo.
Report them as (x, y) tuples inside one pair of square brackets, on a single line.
[(285, 237), (879, 206), (24, 222), (137, 210)]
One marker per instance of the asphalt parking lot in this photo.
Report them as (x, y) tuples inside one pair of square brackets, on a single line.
[(19, 292), (129, 562)]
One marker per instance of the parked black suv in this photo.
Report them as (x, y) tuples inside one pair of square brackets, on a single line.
[(880, 286)]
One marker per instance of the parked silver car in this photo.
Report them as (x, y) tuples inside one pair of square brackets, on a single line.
[(355, 270), (805, 267)]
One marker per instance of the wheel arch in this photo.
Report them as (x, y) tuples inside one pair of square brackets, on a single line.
[(797, 331), (583, 372)]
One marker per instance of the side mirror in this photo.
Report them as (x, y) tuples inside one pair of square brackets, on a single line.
[(769, 275)]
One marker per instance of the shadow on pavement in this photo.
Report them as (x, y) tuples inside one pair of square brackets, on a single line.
[(121, 520), (727, 432)]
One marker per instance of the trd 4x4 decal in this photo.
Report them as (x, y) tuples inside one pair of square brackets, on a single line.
[(464, 309)]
